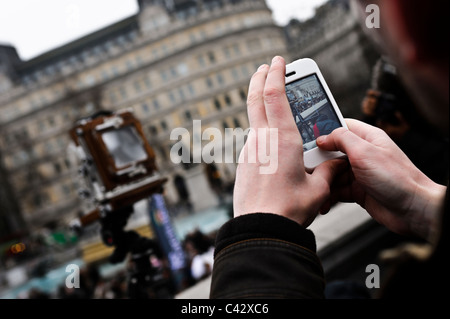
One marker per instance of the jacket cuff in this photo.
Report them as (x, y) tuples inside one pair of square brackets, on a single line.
[(263, 225)]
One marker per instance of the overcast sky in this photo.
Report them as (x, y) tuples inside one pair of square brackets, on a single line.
[(35, 27)]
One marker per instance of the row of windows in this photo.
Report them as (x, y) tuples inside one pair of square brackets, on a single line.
[(48, 196), (180, 69), (24, 155), (35, 174), (188, 114), (163, 152), (184, 92), (59, 143), (44, 124), (87, 57), (104, 51), (174, 96), (106, 71)]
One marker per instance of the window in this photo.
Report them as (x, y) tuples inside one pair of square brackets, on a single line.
[(38, 200), (191, 89), (105, 75), (243, 95), (164, 125), (41, 126), (225, 125), (153, 130), (66, 189), (188, 115), (201, 60), (220, 78), (226, 50), (173, 71), (172, 97), (236, 122), (164, 76), (115, 71), (181, 93), (244, 70), (236, 49), (137, 86), (217, 104), (67, 163), (193, 38), (235, 74), (228, 100), (147, 82), (129, 65), (211, 57), (123, 92), (57, 168), (139, 60), (112, 97), (156, 104), (209, 82)]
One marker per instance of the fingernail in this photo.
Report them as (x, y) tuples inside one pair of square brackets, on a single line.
[(276, 59), (262, 67), (321, 139)]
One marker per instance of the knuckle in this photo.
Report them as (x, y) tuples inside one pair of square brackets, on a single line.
[(253, 98), (273, 93)]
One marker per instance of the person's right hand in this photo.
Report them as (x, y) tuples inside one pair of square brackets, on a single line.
[(383, 180)]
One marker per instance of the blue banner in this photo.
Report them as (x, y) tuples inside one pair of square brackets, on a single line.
[(165, 233)]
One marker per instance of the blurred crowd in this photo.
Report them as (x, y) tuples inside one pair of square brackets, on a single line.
[(199, 249)]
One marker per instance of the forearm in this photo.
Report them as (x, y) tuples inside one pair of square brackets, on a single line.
[(266, 256)]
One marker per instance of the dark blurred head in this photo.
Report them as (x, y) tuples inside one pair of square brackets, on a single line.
[(200, 242), (414, 34)]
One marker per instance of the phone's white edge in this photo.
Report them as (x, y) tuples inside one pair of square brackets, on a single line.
[(303, 68)]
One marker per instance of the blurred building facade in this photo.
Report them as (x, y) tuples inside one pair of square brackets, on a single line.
[(172, 63), (335, 39)]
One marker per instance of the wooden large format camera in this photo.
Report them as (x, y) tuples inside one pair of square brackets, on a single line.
[(116, 161)]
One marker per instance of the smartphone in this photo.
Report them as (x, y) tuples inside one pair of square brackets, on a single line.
[(314, 109)]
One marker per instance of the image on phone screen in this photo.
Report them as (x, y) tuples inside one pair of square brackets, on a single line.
[(312, 110)]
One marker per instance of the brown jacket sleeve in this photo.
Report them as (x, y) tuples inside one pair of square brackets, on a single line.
[(266, 256)]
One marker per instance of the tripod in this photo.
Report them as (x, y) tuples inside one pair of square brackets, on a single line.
[(145, 279)]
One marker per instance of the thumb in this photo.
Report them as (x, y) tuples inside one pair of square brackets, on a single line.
[(342, 140)]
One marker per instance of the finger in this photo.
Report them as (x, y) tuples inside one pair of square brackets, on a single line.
[(255, 102), (342, 140), (278, 111), (363, 130), (328, 170), (325, 208)]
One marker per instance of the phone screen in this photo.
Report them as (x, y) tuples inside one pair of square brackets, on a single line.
[(312, 110)]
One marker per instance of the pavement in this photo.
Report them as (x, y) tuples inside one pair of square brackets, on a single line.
[(342, 219)]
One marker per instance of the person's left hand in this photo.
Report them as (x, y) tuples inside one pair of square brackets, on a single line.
[(281, 186)]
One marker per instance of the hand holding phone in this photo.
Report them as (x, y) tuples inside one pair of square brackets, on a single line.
[(314, 109), (289, 191)]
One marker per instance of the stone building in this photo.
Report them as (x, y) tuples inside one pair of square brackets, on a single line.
[(173, 62), (336, 41)]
